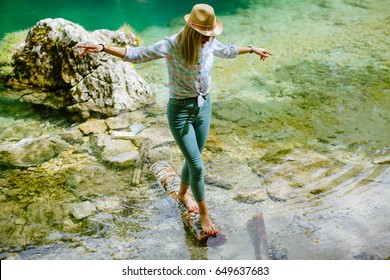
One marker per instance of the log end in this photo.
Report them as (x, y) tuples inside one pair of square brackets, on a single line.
[(192, 221)]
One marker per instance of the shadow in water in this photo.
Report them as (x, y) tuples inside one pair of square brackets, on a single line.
[(196, 251)]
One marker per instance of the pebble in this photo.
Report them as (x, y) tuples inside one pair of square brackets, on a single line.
[(20, 221), (83, 210)]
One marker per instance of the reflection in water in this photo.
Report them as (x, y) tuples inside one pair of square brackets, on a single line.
[(196, 251)]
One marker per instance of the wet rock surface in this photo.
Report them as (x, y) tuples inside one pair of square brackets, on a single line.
[(30, 151), (82, 210)]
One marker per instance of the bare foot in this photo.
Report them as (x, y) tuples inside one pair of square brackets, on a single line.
[(207, 225), (188, 201)]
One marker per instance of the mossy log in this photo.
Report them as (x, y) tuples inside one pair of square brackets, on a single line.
[(170, 180)]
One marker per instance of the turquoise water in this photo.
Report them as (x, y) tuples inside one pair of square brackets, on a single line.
[(99, 14), (309, 125)]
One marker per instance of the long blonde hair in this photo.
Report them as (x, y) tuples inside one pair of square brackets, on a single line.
[(189, 40)]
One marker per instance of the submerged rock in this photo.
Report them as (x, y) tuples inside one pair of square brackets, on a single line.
[(96, 84), (252, 196), (215, 144), (83, 210), (93, 126), (147, 137), (120, 152), (125, 159), (30, 151), (125, 121), (382, 160), (72, 135)]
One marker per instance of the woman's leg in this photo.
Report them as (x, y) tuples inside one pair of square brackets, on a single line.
[(190, 126), (184, 134), (207, 225), (186, 198), (202, 128), (201, 125)]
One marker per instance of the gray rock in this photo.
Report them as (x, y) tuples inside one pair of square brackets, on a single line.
[(114, 147), (279, 190), (137, 127), (5, 123), (93, 126), (73, 135), (96, 84), (17, 130), (83, 210), (99, 141), (126, 120), (218, 182), (30, 151), (126, 159), (154, 137), (109, 204), (124, 135), (120, 152), (165, 153), (120, 122)]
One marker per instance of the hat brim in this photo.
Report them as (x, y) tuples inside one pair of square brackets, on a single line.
[(215, 32)]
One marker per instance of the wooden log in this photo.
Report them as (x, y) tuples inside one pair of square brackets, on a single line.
[(170, 180), (260, 237)]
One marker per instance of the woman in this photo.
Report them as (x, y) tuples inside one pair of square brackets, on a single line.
[(189, 55)]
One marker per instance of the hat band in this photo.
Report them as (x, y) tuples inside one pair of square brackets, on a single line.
[(201, 26)]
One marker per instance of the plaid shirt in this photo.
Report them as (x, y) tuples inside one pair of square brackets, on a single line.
[(184, 81)]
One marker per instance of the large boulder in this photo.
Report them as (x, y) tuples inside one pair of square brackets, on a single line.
[(94, 85)]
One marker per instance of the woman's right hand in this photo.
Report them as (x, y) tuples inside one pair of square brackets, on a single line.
[(90, 49)]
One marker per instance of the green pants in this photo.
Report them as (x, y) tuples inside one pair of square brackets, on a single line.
[(190, 126)]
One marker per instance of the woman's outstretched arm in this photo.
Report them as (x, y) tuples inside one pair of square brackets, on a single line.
[(263, 53), (116, 51), (157, 50)]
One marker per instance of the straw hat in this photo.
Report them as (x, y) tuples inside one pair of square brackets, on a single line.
[(203, 20)]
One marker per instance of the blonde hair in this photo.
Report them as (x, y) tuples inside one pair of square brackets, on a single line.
[(189, 40)]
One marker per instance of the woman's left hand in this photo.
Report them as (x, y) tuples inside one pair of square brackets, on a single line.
[(90, 49), (263, 53)]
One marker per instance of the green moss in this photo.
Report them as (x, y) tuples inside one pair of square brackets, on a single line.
[(129, 32), (7, 47), (61, 27), (126, 28)]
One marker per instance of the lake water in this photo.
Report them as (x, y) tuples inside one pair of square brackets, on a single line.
[(99, 14), (311, 126)]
